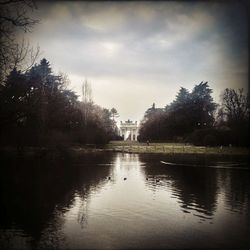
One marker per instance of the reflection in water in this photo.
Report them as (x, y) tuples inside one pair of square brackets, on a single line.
[(124, 201), (35, 196), (196, 189)]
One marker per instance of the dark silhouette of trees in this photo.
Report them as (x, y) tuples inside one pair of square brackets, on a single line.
[(97, 123), (36, 108), (234, 113), (203, 106), (152, 125), (189, 111), (191, 118), (179, 120), (235, 107)]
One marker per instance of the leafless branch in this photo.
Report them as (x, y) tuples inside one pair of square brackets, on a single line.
[(13, 17)]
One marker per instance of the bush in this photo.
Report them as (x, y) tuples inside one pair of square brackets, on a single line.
[(210, 140), (211, 137)]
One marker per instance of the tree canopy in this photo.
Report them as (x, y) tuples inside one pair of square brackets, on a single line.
[(191, 118), (36, 106)]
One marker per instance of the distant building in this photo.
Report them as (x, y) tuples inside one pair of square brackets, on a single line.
[(129, 130)]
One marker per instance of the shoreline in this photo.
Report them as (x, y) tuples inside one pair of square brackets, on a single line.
[(177, 148), (157, 148)]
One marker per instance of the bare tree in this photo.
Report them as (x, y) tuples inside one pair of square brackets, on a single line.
[(14, 18), (235, 105), (86, 100), (86, 92)]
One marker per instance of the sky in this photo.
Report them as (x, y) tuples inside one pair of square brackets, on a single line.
[(136, 53)]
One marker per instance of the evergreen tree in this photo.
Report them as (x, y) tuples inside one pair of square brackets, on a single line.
[(37, 108), (202, 106)]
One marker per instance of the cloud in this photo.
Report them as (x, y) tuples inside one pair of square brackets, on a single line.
[(151, 48)]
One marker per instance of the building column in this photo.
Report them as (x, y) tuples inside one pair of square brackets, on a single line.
[(131, 134)]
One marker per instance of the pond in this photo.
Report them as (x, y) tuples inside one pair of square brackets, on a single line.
[(119, 200)]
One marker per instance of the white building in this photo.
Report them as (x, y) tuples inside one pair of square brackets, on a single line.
[(129, 130)]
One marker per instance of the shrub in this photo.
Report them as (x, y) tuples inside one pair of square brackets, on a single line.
[(210, 140), (211, 137)]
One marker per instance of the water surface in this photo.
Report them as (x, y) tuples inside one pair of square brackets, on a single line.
[(125, 201)]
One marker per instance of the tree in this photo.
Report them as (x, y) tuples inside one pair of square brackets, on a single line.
[(87, 103), (38, 109), (189, 111), (235, 106), (114, 113), (182, 99), (37, 102), (13, 99), (235, 111), (13, 54), (86, 92), (149, 112), (203, 106), (178, 120), (152, 125)]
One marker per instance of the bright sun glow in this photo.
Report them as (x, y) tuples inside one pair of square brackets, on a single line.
[(110, 48)]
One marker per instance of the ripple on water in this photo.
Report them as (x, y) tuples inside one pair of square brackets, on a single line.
[(94, 211)]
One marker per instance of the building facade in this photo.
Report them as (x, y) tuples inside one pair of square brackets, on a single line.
[(129, 130)]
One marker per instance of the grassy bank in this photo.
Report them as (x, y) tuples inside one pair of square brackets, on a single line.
[(173, 148), (120, 146)]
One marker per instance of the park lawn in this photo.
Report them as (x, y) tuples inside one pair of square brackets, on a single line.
[(173, 148)]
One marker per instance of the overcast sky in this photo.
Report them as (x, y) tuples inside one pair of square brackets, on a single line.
[(137, 53)]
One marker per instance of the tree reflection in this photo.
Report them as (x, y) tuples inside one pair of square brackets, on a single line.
[(35, 191), (196, 188), (236, 185)]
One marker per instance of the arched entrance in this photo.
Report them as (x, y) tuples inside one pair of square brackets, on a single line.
[(129, 130)]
